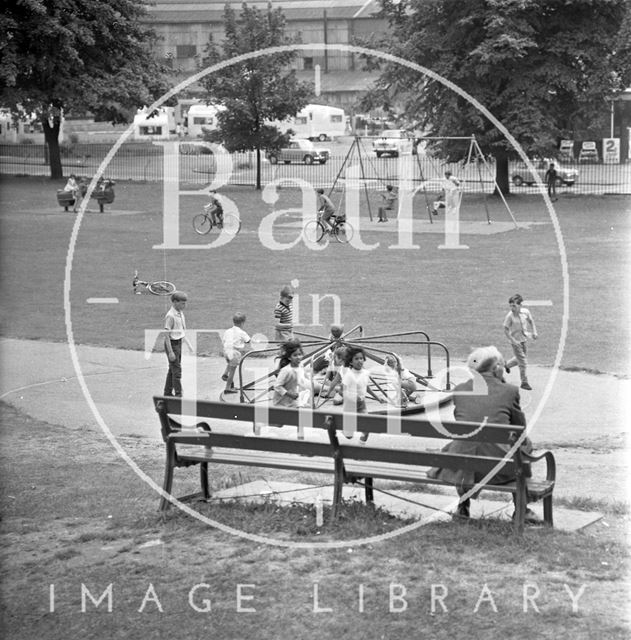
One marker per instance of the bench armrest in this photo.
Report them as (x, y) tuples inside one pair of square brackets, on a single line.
[(551, 467)]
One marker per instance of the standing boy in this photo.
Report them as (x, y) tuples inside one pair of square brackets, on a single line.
[(519, 327), (284, 316), (175, 334), (551, 181), (236, 342)]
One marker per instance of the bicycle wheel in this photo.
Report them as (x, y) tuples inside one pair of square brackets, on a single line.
[(231, 224), (202, 223), (313, 231), (161, 288), (344, 232)]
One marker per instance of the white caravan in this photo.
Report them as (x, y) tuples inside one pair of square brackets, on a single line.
[(156, 126), (201, 116), (317, 122)]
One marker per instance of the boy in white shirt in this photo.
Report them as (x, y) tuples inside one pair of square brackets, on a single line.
[(174, 335), (236, 342)]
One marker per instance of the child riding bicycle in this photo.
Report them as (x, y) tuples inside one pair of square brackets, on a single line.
[(326, 211), (214, 209)]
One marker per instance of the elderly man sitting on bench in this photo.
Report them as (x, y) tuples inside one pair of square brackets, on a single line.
[(483, 398)]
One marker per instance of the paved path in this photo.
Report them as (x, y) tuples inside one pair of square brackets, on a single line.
[(585, 420)]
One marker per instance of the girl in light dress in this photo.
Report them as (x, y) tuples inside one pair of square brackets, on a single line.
[(292, 388)]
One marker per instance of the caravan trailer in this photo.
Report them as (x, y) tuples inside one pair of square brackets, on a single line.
[(318, 122), (155, 126), (199, 117)]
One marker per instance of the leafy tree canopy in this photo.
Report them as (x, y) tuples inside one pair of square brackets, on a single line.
[(544, 68), (77, 56), (259, 91)]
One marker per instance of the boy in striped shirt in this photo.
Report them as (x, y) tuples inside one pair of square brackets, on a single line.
[(283, 315)]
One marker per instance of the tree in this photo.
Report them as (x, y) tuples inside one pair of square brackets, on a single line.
[(544, 68), (260, 90), (65, 56)]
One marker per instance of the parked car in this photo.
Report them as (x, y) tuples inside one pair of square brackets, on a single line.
[(299, 150), (393, 142), (522, 175)]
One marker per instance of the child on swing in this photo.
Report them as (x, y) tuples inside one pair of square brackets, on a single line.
[(389, 198)]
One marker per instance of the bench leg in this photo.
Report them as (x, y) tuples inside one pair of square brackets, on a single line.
[(168, 476), (338, 486), (547, 510), (203, 477), (520, 505), (369, 491)]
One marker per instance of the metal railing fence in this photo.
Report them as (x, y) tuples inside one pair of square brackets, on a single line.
[(144, 162)]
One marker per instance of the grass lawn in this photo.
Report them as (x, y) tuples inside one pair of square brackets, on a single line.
[(73, 512), (457, 297), (98, 525)]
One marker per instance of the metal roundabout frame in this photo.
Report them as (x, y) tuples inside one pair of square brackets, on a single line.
[(256, 381)]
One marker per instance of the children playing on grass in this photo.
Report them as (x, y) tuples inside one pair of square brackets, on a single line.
[(236, 342), (292, 386), (519, 327)]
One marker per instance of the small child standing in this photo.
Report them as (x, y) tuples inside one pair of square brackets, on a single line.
[(355, 380), (236, 342), (519, 327), (291, 380), (175, 334)]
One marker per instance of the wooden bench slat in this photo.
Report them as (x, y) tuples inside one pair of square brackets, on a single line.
[(359, 468), (232, 441), (414, 425), (263, 459)]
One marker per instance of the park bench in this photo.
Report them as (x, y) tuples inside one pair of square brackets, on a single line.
[(226, 434), (103, 194)]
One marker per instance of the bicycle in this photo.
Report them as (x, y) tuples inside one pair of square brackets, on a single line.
[(204, 222), (159, 288), (316, 230)]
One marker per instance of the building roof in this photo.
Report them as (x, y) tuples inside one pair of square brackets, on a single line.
[(186, 11)]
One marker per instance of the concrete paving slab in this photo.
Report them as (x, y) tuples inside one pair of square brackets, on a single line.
[(428, 507)]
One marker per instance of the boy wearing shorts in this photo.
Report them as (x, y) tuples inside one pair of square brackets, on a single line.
[(236, 342)]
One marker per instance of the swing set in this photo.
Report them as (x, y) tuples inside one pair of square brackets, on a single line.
[(358, 156)]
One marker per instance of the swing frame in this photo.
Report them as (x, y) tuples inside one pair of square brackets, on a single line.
[(474, 154)]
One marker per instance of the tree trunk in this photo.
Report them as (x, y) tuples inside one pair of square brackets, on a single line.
[(501, 174), (51, 135), (258, 169)]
